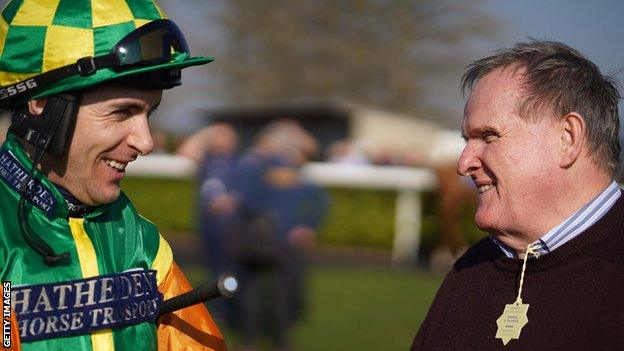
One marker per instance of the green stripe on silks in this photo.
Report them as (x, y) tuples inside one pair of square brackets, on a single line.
[(73, 13), (11, 9), (143, 10), (26, 54), (106, 37)]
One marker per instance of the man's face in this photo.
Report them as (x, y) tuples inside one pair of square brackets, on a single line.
[(513, 162), (111, 131)]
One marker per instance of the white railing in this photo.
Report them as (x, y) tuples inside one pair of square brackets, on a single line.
[(162, 165)]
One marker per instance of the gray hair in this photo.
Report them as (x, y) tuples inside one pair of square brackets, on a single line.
[(561, 79)]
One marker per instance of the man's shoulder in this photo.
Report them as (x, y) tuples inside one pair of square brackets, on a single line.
[(610, 248), (484, 250), (606, 237)]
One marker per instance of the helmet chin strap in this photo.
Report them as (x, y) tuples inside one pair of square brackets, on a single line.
[(33, 240), (56, 122)]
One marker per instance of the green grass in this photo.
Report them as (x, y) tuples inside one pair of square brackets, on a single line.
[(169, 203), (365, 308), (359, 218), (361, 308)]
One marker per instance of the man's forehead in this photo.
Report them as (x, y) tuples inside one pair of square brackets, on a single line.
[(500, 81), (120, 95), (131, 101), (495, 98), (503, 85)]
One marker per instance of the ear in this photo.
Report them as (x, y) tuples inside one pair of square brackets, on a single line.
[(572, 140), (35, 107)]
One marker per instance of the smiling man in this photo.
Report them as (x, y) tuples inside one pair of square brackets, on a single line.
[(541, 128), (86, 271), (112, 130)]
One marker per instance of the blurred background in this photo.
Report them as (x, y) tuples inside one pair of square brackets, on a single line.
[(316, 155)]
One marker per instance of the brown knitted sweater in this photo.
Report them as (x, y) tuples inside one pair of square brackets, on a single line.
[(575, 293)]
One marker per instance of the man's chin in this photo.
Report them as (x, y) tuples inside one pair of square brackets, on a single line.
[(105, 198), (484, 223)]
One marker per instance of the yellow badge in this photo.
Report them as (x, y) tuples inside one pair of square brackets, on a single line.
[(514, 317), (512, 320)]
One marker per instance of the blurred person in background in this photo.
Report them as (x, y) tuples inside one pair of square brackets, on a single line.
[(217, 138), (279, 217), (541, 125), (88, 272), (218, 203), (215, 148)]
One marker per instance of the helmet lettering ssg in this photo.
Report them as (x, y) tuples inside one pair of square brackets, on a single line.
[(52, 46)]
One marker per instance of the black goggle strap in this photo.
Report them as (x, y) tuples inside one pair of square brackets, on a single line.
[(85, 66), (172, 37)]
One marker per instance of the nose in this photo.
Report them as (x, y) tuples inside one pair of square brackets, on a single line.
[(469, 161), (140, 137)]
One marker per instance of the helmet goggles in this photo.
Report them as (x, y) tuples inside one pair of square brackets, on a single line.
[(150, 44)]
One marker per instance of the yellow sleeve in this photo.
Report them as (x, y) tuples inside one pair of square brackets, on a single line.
[(190, 328)]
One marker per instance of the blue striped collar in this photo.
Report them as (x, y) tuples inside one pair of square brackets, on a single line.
[(574, 225)]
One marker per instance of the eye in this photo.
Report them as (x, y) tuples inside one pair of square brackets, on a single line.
[(122, 112), (489, 136)]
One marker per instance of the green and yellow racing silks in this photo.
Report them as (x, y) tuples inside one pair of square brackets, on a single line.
[(107, 294)]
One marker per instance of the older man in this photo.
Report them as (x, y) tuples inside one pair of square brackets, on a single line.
[(541, 128), (82, 269)]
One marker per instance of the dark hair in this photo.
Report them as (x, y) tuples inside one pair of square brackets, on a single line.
[(559, 78)]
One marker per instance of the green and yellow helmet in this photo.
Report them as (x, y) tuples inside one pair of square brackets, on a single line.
[(52, 46)]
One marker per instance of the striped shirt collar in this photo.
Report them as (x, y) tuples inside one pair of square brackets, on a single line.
[(574, 225)]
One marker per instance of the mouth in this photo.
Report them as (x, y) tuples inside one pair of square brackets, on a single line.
[(483, 187), (117, 165)]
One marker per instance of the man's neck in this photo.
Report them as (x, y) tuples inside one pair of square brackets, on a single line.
[(571, 192), (558, 215)]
